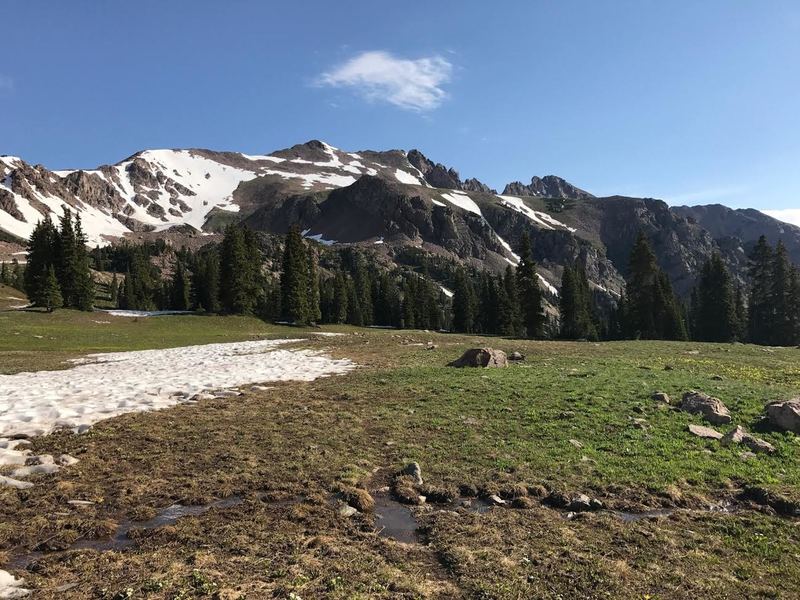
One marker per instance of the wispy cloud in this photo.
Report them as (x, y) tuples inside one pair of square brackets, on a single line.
[(6, 83), (719, 194), (787, 215), (382, 77)]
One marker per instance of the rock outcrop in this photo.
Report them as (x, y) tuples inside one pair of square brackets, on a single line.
[(785, 415), (481, 357), (712, 409)]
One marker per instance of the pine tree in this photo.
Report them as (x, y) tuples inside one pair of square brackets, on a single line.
[(5, 276), (294, 279), (179, 289), (530, 294), (48, 293), (464, 304), (759, 316), (113, 289), (205, 281), (240, 270), (40, 255), (314, 309), (340, 308), (18, 275), (84, 283), (715, 317)]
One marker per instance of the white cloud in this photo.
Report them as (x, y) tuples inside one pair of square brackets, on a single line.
[(787, 215), (380, 76)]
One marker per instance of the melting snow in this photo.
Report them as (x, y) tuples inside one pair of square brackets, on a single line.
[(406, 177), (550, 287), (106, 385), (447, 292), (461, 200), (540, 218), (317, 237), (11, 587)]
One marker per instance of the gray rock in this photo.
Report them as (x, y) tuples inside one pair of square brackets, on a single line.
[(785, 415), (580, 503), (346, 511), (661, 397), (704, 432), (738, 435), (516, 356), (481, 357), (712, 409), (414, 471), (496, 500)]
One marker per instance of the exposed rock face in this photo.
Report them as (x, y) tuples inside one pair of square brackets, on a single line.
[(712, 409), (435, 174), (548, 186), (473, 185), (481, 357), (785, 415)]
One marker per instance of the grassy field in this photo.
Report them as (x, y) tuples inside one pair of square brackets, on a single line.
[(573, 417)]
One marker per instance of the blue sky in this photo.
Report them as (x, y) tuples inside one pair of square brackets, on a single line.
[(693, 102)]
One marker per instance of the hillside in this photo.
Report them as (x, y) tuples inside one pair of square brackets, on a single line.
[(387, 200)]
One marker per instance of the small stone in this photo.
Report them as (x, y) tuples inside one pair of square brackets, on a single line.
[(496, 500), (516, 356), (738, 435), (704, 432), (65, 460), (414, 471), (580, 503), (716, 377), (746, 455), (785, 415), (346, 511), (660, 397), (576, 443)]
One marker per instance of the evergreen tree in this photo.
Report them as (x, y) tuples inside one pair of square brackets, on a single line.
[(294, 279), (314, 309), (48, 293), (5, 274), (240, 268), (530, 294), (508, 306), (575, 304), (759, 315), (180, 289), (84, 283), (113, 290), (464, 304), (340, 308), (205, 281), (715, 317), (779, 300), (652, 310), (40, 256), (17, 275)]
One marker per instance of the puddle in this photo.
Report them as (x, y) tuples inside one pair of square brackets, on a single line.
[(396, 521), (120, 541), (632, 517)]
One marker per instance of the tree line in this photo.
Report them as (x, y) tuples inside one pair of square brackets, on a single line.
[(297, 281)]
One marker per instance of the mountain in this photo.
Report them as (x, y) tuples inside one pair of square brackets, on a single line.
[(548, 186), (390, 201), (746, 225)]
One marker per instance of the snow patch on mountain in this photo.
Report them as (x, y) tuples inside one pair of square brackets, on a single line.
[(542, 219), (461, 200)]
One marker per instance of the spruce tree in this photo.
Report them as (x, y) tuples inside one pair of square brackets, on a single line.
[(40, 256), (780, 327), (530, 293), (715, 317), (294, 279), (340, 308), (314, 309), (84, 283), (48, 293), (240, 265), (5, 277), (113, 290), (464, 304), (18, 275), (180, 289), (759, 315)]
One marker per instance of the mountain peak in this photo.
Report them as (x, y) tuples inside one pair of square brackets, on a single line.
[(440, 176), (549, 186)]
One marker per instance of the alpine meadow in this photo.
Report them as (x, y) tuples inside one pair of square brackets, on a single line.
[(342, 370)]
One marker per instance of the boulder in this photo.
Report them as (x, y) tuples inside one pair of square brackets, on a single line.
[(704, 432), (785, 415), (712, 409), (738, 435), (414, 471), (481, 357), (661, 397)]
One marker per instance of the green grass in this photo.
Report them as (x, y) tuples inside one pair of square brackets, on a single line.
[(493, 428)]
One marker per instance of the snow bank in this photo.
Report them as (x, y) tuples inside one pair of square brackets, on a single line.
[(11, 587), (145, 313), (106, 385), (461, 200)]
